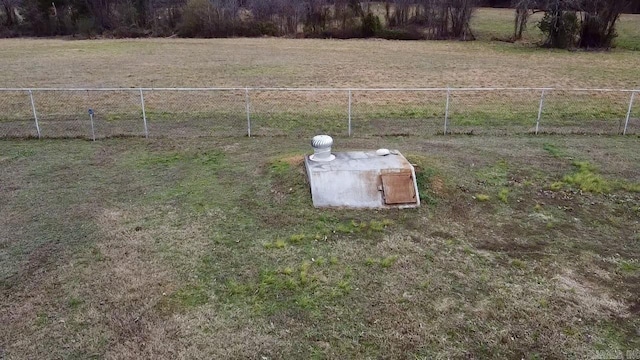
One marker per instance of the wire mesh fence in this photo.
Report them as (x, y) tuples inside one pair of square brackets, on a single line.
[(494, 112), (182, 113), (298, 113), (228, 112), (398, 112), (590, 112), (16, 117)]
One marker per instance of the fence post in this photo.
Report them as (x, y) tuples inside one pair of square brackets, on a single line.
[(626, 123), (446, 111), (349, 112), (93, 132), (540, 111), (144, 115), (35, 114), (248, 110)]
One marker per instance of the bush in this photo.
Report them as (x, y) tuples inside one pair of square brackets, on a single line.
[(347, 33), (8, 32), (261, 28), (87, 27), (595, 33), (371, 25), (560, 29), (401, 34), (129, 32), (194, 17)]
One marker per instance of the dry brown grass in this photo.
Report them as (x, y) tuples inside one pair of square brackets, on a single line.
[(304, 63)]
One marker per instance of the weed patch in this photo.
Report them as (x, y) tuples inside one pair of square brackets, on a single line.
[(629, 266), (384, 262), (556, 186), (305, 287), (388, 261), (495, 175), (553, 150), (190, 296), (429, 182), (503, 195), (587, 179), (297, 238), (276, 244)]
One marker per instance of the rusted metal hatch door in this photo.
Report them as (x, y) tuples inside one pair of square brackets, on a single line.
[(398, 188)]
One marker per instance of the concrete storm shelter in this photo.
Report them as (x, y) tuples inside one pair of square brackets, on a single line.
[(360, 179)]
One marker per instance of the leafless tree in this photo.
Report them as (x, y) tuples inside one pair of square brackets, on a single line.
[(587, 24), (522, 8), (436, 19), (9, 7), (598, 24)]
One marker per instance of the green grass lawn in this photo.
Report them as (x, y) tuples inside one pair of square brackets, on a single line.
[(525, 247)]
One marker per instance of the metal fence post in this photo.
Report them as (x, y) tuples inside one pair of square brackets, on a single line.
[(626, 123), (93, 132), (144, 115), (540, 111), (35, 114), (446, 111), (349, 112), (248, 110)]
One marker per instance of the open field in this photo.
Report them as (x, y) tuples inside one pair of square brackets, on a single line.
[(275, 62), (127, 248), (186, 247), (320, 63), (306, 63)]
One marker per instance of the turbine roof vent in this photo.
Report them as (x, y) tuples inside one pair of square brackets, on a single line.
[(322, 148)]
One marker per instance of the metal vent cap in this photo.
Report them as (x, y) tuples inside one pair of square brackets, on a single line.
[(322, 148)]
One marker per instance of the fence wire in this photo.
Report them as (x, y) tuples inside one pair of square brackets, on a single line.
[(298, 113), (584, 112), (633, 121), (398, 112), (16, 116), (230, 112), (175, 113), (493, 112)]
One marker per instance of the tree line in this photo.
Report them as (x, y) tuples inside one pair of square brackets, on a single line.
[(634, 7), (402, 19), (566, 23)]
